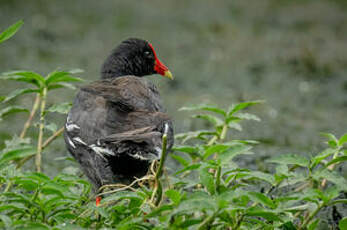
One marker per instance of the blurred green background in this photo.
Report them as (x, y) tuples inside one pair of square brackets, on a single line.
[(291, 53)]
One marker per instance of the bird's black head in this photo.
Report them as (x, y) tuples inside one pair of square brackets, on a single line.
[(133, 57)]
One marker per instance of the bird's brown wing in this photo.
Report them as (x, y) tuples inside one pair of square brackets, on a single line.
[(128, 93)]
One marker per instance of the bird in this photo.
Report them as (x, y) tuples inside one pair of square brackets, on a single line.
[(115, 126)]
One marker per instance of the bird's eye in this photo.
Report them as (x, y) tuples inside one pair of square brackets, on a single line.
[(147, 53)]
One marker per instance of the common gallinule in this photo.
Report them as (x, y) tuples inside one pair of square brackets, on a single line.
[(115, 126)]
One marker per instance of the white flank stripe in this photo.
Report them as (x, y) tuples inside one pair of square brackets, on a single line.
[(70, 142), (79, 140), (71, 126), (100, 151)]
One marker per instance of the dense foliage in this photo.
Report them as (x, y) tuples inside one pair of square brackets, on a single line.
[(207, 190)]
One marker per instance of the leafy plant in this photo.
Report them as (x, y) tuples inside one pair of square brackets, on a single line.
[(207, 189), (41, 86)]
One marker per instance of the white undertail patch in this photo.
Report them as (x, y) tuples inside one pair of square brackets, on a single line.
[(139, 156)]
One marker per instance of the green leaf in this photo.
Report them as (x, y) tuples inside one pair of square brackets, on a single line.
[(209, 108), (174, 195), (53, 189), (19, 92), (330, 193), (236, 171), (40, 177), (262, 176), (6, 220), (13, 207), (339, 201), (227, 156), (200, 134), (2, 98), (342, 140), (247, 116), (343, 223), (288, 226), (26, 184), (24, 76), (207, 180), (180, 159), (189, 168), (217, 148), (234, 125), (159, 210), (61, 76), (270, 216), (186, 149), (241, 106), (54, 202), (16, 143), (321, 156), (10, 31), (212, 119), (16, 154), (261, 198), (331, 176), (51, 127), (61, 85), (11, 110), (250, 142), (290, 159), (34, 226), (196, 201), (62, 108), (297, 208), (189, 222), (337, 160), (232, 119), (332, 140)]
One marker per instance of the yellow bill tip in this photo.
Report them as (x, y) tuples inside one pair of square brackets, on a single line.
[(168, 74)]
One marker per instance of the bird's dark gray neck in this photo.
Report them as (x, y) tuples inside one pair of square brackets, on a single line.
[(113, 73), (118, 66)]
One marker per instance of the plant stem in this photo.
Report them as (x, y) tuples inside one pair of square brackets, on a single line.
[(163, 157), (31, 116), (42, 125), (45, 144), (218, 178), (310, 217), (340, 201), (158, 190), (53, 137), (221, 137), (207, 221), (213, 140), (238, 223), (224, 132), (331, 167), (9, 184)]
